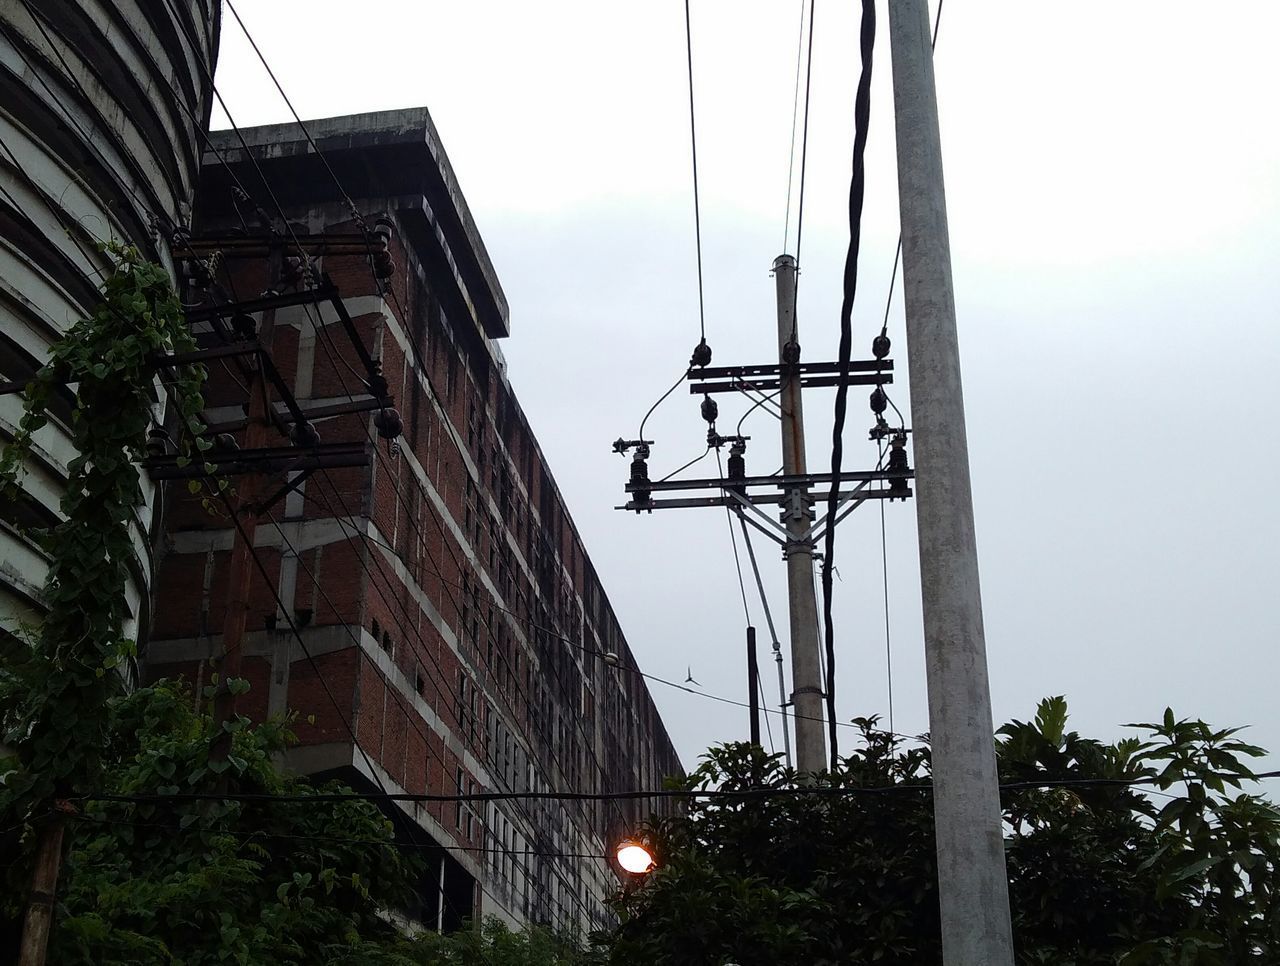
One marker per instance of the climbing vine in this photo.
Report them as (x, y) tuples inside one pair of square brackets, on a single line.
[(55, 687)]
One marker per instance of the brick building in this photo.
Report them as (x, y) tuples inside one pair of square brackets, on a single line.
[(448, 614)]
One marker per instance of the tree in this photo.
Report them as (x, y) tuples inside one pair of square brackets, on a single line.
[(1098, 871), (197, 881), (56, 679), (255, 883), (493, 944)]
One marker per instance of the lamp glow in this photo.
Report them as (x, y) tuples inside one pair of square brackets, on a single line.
[(634, 857)]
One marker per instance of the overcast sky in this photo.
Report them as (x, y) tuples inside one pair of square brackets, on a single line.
[(1112, 174)]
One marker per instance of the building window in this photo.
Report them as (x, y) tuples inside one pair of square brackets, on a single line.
[(457, 806)]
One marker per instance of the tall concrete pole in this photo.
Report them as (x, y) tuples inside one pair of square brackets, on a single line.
[(972, 882), (797, 514)]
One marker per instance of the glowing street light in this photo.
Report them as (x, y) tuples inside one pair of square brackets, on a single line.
[(634, 857)]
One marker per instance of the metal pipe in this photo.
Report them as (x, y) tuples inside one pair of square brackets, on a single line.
[(753, 685)]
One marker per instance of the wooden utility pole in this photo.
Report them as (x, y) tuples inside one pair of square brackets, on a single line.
[(38, 922), (972, 882)]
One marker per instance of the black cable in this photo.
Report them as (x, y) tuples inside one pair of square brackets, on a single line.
[(337, 839), (266, 579), (88, 140), (693, 139), (711, 794), (733, 539), (378, 285), (442, 683), (804, 158), (884, 582), (761, 403), (699, 457), (553, 634), (897, 254), (684, 375), (359, 219), (857, 188), (395, 299), (804, 148), (795, 113), (775, 645)]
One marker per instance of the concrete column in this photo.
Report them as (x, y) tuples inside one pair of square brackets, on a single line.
[(797, 516), (972, 881)]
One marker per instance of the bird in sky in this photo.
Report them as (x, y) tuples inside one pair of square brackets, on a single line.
[(689, 678)]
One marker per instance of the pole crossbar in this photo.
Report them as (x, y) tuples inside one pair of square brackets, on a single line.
[(268, 459), (739, 384), (782, 482)]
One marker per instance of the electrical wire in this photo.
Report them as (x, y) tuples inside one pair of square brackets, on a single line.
[(795, 114), (335, 839), (359, 219), (293, 628), (553, 634), (392, 290), (884, 582), (428, 847), (377, 282), (693, 140), (88, 140), (862, 115), (700, 456), (709, 794), (773, 636), (683, 376), (897, 254), (804, 157), (733, 539)]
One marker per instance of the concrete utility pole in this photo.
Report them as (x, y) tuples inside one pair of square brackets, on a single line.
[(972, 881), (797, 516)]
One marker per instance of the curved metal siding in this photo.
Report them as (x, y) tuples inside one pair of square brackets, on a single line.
[(103, 104)]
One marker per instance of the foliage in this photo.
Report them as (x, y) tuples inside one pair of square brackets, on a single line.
[(493, 944), (1098, 873), (222, 882), (250, 883), (55, 687)]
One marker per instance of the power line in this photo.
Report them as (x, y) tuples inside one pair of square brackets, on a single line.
[(804, 150), (862, 116), (391, 844), (552, 633), (337, 182), (775, 644), (88, 140), (288, 103), (710, 794), (373, 771), (683, 375), (693, 140), (559, 679), (897, 254), (884, 581), (795, 113), (733, 539)]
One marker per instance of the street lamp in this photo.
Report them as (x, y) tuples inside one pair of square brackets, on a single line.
[(634, 857)]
